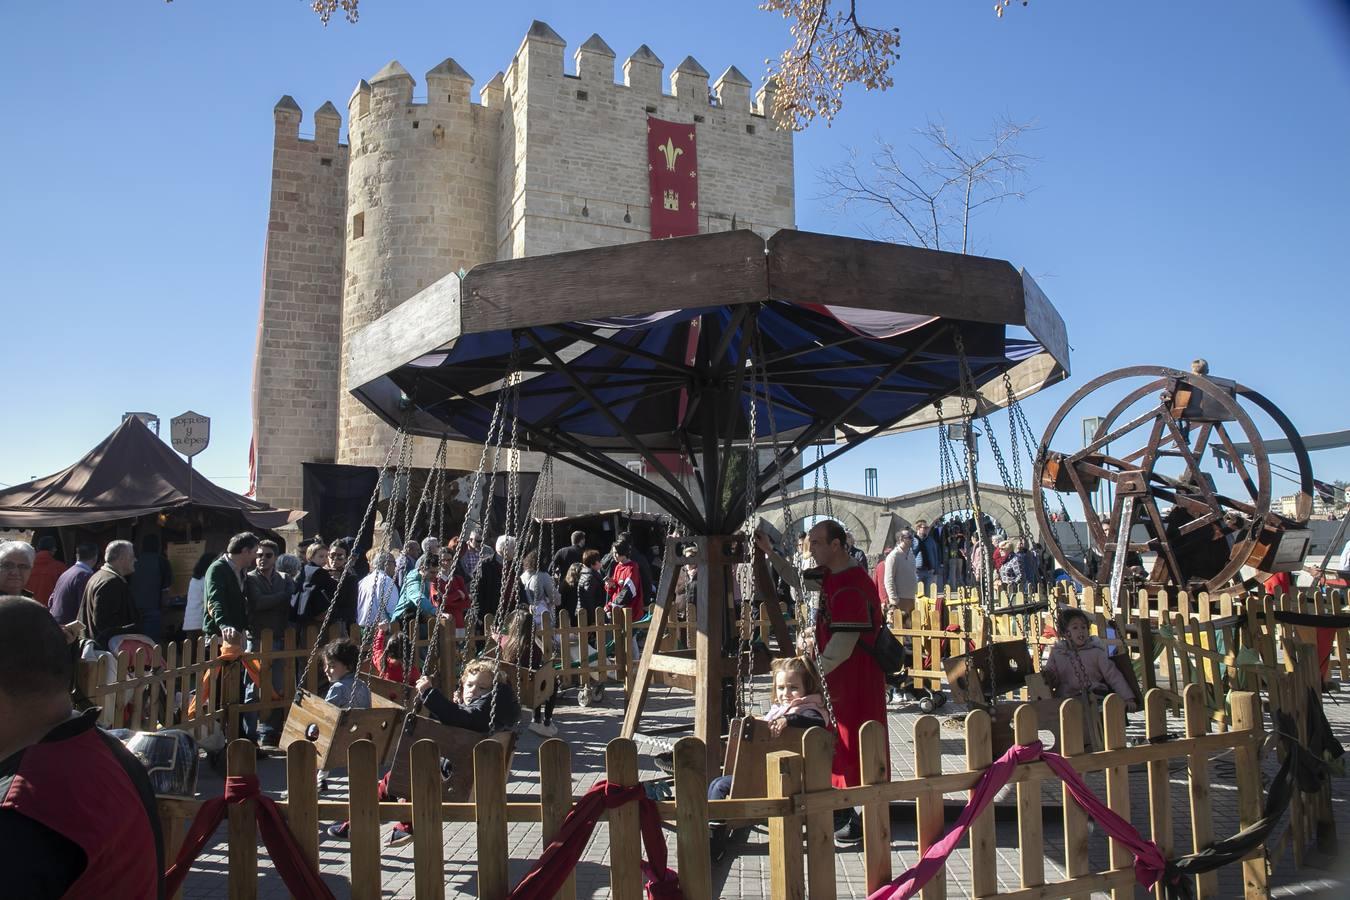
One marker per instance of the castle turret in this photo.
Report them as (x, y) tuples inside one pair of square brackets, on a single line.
[(733, 90), (642, 71), (422, 191), (595, 61)]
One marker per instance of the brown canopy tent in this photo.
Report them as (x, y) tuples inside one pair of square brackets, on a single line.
[(132, 484)]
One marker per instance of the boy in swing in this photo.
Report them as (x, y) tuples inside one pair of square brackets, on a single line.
[(472, 708)]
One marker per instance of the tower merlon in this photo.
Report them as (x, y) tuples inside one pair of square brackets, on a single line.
[(449, 82), (542, 50), (287, 116), (393, 81), (493, 94), (359, 102), (642, 71), (733, 90), (595, 61), (764, 97), (689, 82), (327, 124)]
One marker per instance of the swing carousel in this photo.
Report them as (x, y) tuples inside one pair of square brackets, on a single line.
[(729, 352)]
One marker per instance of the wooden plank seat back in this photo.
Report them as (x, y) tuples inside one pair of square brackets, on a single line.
[(456, 754), (395, 691), (749, 743), (532, 686), (1003, 664), (332, 729)]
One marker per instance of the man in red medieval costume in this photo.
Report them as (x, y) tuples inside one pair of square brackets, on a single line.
[(850, 613)]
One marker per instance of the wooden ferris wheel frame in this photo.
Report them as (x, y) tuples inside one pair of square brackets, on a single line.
[(1186, 399)]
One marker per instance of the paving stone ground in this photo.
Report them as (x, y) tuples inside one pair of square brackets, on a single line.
[(745, 872)]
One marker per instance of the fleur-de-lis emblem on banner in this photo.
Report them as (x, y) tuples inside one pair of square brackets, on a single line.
[(671, 152)]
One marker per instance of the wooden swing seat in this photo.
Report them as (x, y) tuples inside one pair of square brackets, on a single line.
[(456, 752), (536, 685), (749, 743), (1003, 664), (396, 691), (332, 729)]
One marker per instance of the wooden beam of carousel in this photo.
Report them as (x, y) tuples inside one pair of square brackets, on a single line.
[(723, 269)]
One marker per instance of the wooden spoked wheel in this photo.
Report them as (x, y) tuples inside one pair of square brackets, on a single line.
[(1159, 447)]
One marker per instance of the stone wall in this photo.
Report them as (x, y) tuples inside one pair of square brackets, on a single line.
[(296, 384)]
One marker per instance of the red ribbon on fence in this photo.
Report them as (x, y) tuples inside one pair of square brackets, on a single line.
[(1149, 862), (561, 855), (301, 878)]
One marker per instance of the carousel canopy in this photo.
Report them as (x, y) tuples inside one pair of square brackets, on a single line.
[(660, 348), (131, 473)]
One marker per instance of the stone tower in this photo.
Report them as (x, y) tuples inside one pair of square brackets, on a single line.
[(545, 161), (296, 363)]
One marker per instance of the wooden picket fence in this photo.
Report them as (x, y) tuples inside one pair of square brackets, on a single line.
[(798, 809), (1201, 641)]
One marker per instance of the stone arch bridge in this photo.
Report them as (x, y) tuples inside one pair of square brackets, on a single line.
[(874, 521)]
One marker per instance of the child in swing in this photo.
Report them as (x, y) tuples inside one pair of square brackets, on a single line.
[(471, 708), (1066, 675), (520, 647), (797, 703), (390, 652), (344, 690)]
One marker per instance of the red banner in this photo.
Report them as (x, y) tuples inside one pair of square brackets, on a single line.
[(672, 164)]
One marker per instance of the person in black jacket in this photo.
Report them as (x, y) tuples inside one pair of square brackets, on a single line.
[(486, 591), (107, 609), (565, 558), (316, 587), (591, 586)]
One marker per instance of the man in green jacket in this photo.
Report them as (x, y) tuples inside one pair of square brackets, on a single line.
[(225, 611)]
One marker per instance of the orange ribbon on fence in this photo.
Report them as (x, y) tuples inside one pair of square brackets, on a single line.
[(228, 653)]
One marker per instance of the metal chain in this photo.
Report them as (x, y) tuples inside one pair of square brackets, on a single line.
[(433, 644), (399, 436), (749, 600), (367, 649)]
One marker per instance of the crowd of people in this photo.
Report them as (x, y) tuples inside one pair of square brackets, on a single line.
[(253, 588)]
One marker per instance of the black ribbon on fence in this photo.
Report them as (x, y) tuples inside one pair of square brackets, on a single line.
[(1305, 767), (1312, 620)]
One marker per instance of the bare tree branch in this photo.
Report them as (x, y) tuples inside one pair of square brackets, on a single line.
[(930, 198)]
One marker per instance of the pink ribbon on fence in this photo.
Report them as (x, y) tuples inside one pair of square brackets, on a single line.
[(1149, 862), (297, 872), (561, 855)]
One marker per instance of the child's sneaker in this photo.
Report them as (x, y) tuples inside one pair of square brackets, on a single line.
[(544, 729), (399, 835), (339, 830)]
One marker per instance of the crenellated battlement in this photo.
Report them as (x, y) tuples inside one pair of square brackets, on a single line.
[(541, 58), (288, 115)]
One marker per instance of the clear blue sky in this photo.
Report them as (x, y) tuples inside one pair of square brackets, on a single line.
[(1191, 195)]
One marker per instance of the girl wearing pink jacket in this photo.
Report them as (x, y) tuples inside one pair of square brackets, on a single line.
[(1079, 662)]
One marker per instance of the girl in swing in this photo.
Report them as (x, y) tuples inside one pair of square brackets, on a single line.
[(797, 703), (1079, 663)]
